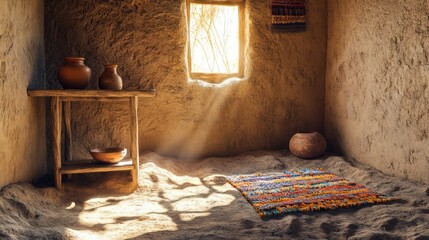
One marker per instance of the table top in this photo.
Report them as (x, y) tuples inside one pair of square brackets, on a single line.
[(90, 93)]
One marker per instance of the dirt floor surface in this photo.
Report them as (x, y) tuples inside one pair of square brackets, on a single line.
[(180, 199)]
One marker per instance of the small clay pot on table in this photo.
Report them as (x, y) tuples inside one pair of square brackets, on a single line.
[(74, 74), (109, 79), (307, 144)]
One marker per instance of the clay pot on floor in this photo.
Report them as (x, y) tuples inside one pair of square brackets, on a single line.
[(109, 79), (74, 74), (307, 145)]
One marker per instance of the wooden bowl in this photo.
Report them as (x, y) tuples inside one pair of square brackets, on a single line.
[(307, 145), (108, 155)]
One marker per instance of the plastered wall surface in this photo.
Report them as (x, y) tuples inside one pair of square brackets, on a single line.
[(22, 119), (282, 93), (377, 84)]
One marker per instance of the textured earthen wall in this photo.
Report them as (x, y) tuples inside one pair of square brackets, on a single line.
[(377, 84), (22, 119), (283, 91)]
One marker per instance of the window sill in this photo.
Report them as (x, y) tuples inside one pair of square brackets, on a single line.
[(214, 77), (225, 82)]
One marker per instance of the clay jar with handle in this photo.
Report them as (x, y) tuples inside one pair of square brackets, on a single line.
[(109, 79), (74, 74), (307, 144)]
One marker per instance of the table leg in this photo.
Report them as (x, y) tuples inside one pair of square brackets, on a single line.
[(67, 121), (134, 140), (56, 139)]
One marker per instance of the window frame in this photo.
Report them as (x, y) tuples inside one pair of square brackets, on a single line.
[(218, 77)]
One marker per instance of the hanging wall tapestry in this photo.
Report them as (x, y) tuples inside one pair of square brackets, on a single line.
[(288, 15)]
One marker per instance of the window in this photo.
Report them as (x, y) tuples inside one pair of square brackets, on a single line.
[(215, 39)]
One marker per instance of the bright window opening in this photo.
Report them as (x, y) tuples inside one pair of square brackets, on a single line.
[(215, 41)]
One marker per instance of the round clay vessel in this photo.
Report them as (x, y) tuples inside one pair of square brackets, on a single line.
[(108, 155), (307, 145), (109, 79), (74, 74)]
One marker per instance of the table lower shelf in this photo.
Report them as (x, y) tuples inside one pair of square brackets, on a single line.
[(91, 166)]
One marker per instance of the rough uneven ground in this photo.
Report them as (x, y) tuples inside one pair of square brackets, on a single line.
[(191, 200)]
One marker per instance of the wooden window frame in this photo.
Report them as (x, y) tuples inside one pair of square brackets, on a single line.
[(218, 77)]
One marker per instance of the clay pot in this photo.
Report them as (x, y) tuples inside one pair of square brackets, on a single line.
[(74, 74), (109, 79), (307, 145)]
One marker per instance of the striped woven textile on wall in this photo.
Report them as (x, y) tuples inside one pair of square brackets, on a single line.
[(288, 15), (302, 191)]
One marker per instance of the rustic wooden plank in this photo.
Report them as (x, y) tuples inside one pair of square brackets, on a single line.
[(86, 166), (93, 162), (91, 93), (134, 140), (56, 139), (94, 99), (68, 140), (70, 170)]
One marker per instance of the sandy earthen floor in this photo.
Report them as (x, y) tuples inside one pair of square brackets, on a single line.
[(180, 199)]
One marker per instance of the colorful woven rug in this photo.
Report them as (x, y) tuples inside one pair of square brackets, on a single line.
[(307, 190), (288, 14)]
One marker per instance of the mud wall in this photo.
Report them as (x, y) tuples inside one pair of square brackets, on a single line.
[(283, 90), (22, 119), (377, 77)]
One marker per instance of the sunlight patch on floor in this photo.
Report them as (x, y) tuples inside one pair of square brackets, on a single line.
[(139, 217), (71, 206), (168, 199), (222, 188), (203, 204), (176, 194), (186, 217)]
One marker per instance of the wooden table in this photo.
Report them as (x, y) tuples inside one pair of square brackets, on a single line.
[(62, 99)]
